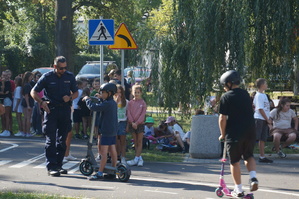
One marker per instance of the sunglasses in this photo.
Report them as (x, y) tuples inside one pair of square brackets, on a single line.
[(62, 68)]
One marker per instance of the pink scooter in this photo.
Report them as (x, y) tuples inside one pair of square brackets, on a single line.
[(223, 190)]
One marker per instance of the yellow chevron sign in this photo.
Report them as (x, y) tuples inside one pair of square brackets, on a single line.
[(123, 39)]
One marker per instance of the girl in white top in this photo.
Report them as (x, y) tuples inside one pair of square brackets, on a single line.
[(121, 101), (17, 107), (282, 117)]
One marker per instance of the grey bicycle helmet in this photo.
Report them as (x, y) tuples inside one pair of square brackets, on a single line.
[(231, 76), (109, 87)]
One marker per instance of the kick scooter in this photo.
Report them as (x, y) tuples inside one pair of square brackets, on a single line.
[(88, 165), (223, 190)]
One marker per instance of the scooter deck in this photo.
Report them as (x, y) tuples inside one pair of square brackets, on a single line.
[(247, 196)]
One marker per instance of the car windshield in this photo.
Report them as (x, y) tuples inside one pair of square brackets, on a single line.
[(90, 69), (138, 72)]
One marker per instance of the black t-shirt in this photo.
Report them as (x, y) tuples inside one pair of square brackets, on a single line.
[(84, 109), (7, 87), (26, 90), (237, 105)]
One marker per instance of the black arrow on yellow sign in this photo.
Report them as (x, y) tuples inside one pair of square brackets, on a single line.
[(126, 39)]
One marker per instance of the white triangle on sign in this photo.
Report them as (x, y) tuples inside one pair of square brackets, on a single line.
[(101, 33)]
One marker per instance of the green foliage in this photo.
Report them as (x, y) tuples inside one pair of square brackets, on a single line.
[(206, 38)]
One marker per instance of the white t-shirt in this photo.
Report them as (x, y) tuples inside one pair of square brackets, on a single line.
[(75, 101), (122, 112), (284, 120), (149, 131), (18, 95), (261, 102), (177, 128)]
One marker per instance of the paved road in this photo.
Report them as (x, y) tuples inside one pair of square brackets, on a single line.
[(22, 168)]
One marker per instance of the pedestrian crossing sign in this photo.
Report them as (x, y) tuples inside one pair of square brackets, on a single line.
[(101, 31)]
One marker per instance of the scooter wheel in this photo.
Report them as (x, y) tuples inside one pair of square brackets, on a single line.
[(219, 192), (123, 174), (250, 196), (86, 168)]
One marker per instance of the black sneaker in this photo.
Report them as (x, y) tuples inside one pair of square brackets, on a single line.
[(62, 171), (237, 195), (265, 160), (253, 183), (77, 136), (95, 177), (281, 154), (54, 173)]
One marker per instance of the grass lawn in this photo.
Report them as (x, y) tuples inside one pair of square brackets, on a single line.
[(268, 149), (9, 195)]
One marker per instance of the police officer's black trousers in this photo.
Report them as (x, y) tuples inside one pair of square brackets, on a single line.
[(56, 126)]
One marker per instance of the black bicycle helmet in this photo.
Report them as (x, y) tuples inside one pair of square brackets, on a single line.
[(109, 87), (231, 76)]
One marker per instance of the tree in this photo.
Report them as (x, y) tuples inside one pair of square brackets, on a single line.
[(206, 38)]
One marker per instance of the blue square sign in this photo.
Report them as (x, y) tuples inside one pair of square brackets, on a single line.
[(101, 32)]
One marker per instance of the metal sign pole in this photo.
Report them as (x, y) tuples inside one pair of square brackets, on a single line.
[(101, 65), (101, 62), (122, 68)]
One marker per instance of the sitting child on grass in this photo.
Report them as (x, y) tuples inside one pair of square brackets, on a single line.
[(282, 117)]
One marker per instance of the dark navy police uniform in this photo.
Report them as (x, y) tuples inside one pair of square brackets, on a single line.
[(57, 123)]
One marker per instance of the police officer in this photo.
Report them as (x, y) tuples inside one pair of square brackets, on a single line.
[(59, 88)]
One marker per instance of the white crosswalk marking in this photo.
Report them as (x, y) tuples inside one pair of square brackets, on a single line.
[(3, 162), (27, 162), (67, 165), (72, 166), (11, 147), (41, 166), (74, 170)]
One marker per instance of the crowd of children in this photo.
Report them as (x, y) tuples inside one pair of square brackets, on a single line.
[(15, 96)]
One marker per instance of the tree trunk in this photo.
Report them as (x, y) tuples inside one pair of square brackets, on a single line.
[(296, 78), (63, 31)]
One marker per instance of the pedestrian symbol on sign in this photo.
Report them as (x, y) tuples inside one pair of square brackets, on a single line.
[(102, 31)]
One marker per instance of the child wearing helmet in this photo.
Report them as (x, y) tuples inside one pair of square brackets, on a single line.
[(108, 125), (237, 128)]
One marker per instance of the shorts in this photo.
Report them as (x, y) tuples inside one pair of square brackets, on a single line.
[(240, 149), (77, 116), (285, 132), (7, 101), (108, 140), (121, 129), (140, 128), (262, 129)]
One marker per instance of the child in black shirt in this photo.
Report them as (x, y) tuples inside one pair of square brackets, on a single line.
[(237, 128)]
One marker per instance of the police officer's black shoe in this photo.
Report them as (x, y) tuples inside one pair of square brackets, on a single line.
[(62, 171), (54, 173)]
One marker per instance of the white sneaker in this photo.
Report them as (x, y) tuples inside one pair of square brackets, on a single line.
[(5, 133), (64, 160), (20, 134), (140, 163), (132, 162), (123, 160), (98, 158), (29, 135), (70, 158)]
